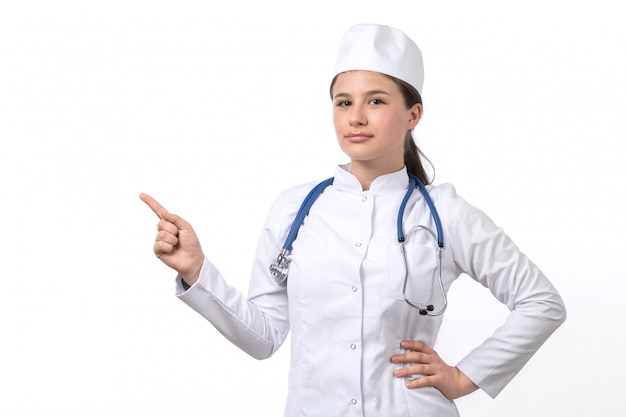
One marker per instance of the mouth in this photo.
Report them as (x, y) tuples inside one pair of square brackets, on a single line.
[(358, 137)]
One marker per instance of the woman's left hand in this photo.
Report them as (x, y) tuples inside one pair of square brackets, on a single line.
[(436, 373)]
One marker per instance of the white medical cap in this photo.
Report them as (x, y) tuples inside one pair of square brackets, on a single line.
[(383, 49)]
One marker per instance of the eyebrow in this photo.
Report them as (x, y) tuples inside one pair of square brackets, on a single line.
[(367, 93)]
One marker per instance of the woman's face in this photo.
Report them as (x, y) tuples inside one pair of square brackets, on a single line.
[(371, 119)]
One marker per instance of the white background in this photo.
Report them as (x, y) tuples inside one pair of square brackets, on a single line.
[(213, 108)]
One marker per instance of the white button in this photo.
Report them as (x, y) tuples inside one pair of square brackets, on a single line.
[(353, 401), (353, 346), (364, 199), (358, 244), (355, 288)]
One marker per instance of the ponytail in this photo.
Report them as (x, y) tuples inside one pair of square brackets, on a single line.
[(413, 159), (413, 156)]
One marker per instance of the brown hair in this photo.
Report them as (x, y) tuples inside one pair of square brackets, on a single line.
[(412, 154)]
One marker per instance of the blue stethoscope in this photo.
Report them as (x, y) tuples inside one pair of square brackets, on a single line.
[(280, 269)]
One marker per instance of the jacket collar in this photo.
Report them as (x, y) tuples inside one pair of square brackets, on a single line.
[(395, 181)]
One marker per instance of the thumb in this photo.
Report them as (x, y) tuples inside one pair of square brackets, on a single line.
[(177, 221)]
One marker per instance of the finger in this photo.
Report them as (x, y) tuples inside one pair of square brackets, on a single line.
[(425, 381), (416, 345), (157, 208), (162, 248), (413, 370), (160, 211), (165, 226), (411, 357), (167, 237)]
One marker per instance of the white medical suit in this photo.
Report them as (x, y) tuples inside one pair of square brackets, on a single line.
[(343, 299)]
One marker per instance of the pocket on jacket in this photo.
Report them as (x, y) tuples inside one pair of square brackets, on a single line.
[(420, 268)]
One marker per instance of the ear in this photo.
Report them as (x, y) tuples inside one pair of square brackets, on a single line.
[(415, 114)]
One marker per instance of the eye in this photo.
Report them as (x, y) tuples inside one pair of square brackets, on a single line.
[(343, 103), (376, 101)]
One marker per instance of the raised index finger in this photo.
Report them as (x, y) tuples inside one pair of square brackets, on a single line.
[(158, 209)]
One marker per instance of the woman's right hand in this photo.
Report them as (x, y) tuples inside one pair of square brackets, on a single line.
[(176, 243)]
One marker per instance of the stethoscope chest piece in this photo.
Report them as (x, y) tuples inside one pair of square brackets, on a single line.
[(280, 269)]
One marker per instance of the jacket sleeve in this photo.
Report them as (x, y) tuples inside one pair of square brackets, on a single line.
[(483, 251), (259, 323)]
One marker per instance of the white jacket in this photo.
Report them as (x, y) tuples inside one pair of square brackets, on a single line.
[(343, 298)]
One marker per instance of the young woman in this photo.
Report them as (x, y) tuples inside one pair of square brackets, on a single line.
[(362, 287)]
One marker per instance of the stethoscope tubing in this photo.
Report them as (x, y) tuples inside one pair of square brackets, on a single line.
[(413, 181), (304, 211)]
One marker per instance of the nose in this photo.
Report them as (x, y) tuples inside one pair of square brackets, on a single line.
[(357, 117)]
